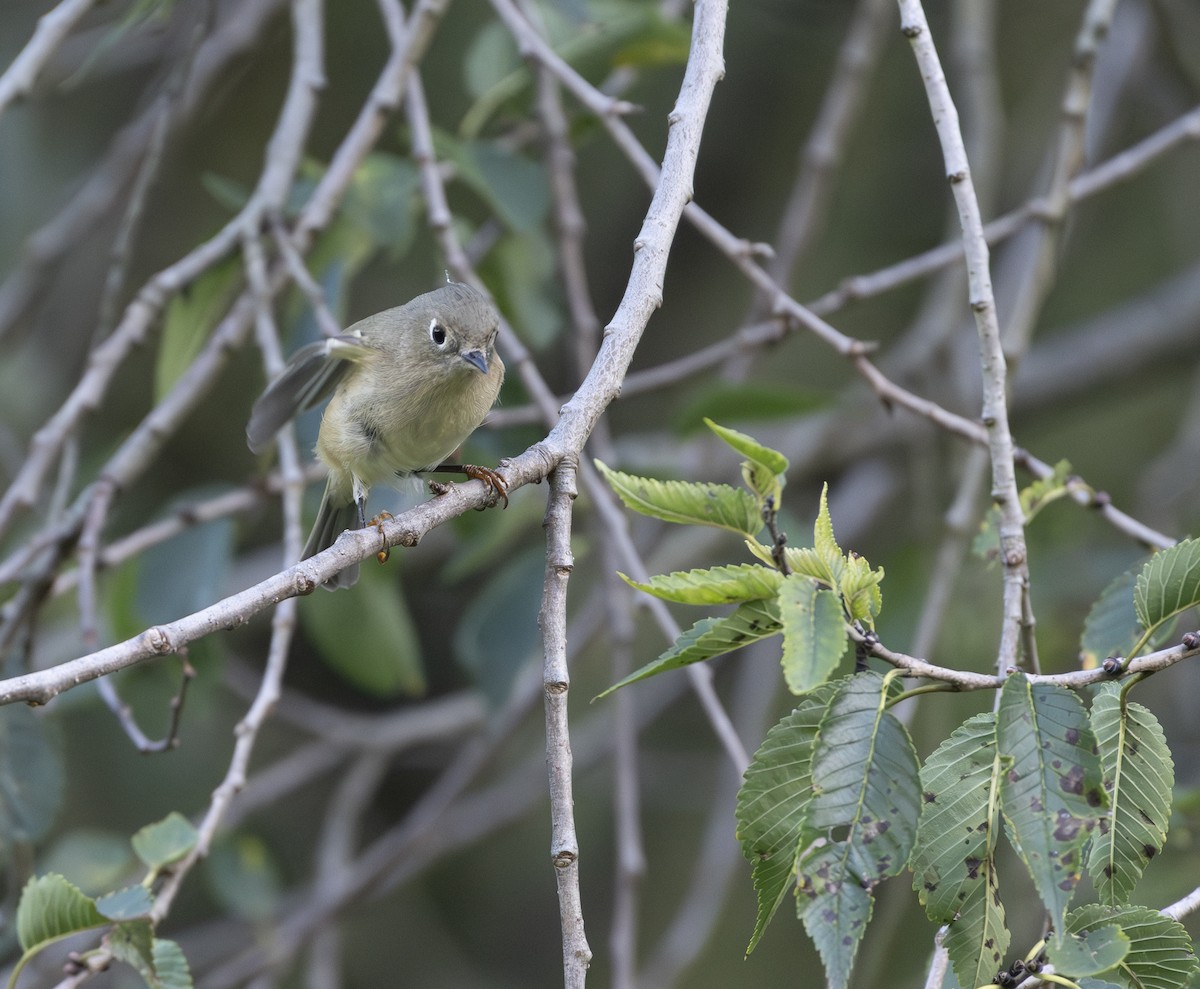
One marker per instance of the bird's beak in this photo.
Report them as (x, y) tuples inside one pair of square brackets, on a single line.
[(476, 358)]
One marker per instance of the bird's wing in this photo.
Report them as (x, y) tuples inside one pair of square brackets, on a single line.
[(311, 374)]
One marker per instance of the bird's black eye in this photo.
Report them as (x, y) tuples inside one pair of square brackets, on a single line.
[(437, 333)]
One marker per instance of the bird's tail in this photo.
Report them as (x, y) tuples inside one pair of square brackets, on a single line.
[(333, 517)]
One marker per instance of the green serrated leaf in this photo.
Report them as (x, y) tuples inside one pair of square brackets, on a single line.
[(133, 943), (825, 545), (170, 965), (1089, 952), (1160, 952), (716, 585), (711, 637), (772, 801), (191, 315), (368, 637), (764, 470), (686, 502), (244, 877), (165, 842), (1111, 627), (814, 633), (953, 860), (1045, 490), (1168, 584), (1138, 776), (860, 590), (52, 908), (1052, 794), (130, 903), (835, 911), (866, 789)]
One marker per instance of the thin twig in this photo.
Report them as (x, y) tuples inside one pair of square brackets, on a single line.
[(1005, 495), (552, 619)]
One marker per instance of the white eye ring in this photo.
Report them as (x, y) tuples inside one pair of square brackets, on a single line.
[(437, 333)]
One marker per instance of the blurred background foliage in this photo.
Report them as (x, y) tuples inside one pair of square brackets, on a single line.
[(1108, 383)]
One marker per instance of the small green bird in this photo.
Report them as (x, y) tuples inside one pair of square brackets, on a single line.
[(409, 385)]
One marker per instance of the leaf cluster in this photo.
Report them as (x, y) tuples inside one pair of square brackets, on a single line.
[(52, 908), (836, 800), (806, 594)]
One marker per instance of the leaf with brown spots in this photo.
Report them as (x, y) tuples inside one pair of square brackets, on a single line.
[(1139, 776), (1053, 796), (953, 861), (866, 799)]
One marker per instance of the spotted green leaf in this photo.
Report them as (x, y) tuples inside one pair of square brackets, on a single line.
[(865, 800), (1168, 584), (953, 861), (1160, 952), (773, 800), (1138, 776), (1051, 794)]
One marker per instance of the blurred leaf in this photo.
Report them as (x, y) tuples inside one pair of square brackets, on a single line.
[(626, 32), (717, 585), (686, 502), (1052, 795), (866, 798), (1168, 584), (140, 12), (1138, 777), (1160, 953), (773, 800), (513, 186), (31, 776), (497, 633), (96, 861), (1034, 498), (490, 57), (367, 635), (745, 402), (711, 637), (814, 633), (953, 861), (133, 943), (1111, 627), (244, 877), (191, 316), (1089, 952), (52, 908), (188, 571), (383, 201), (165, 842), (522, 266), (230, 193), (130, 903)]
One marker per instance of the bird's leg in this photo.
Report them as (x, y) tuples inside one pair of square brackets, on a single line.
[(384, 554), (360, 502), (489, 477)]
